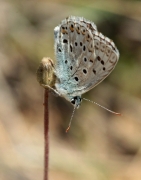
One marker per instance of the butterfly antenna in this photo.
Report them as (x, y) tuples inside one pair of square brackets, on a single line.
[(119, 114), (71, 119)]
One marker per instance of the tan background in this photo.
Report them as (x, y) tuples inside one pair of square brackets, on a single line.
[(99, 145)]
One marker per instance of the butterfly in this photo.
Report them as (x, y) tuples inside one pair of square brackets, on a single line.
[(84, 58)]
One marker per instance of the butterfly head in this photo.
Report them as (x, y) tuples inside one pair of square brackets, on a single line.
[(76, 101)]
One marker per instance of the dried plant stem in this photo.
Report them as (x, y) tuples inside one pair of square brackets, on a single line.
[(46, 134)]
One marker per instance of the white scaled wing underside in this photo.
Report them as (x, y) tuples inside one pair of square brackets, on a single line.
[(84, 56)]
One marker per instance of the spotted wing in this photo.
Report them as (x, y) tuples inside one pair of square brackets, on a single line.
[(84, 56), (107, 57)]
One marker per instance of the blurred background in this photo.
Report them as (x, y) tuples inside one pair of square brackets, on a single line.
[(99, 145)]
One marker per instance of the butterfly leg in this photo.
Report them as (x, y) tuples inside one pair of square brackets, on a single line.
[(54, 90)]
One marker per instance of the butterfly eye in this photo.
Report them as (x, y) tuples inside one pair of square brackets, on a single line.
[(76, 101), (73, 101)]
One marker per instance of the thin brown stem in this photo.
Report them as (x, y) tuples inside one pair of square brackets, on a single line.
[(46, 134)]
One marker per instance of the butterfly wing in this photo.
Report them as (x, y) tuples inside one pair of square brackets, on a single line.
[(106, 59), (84, 56)]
